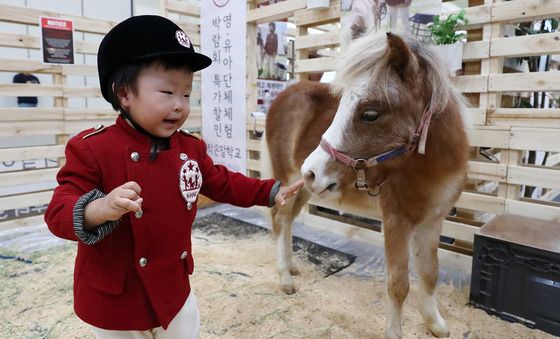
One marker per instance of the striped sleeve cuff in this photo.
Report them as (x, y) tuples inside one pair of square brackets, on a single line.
[(273, 191), (96, 235)]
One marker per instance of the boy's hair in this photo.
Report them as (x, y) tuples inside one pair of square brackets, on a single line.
[(127, 75)]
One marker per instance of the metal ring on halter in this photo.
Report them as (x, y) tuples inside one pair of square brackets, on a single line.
[(374, 193)]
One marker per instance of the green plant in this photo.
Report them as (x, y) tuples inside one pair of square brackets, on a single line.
[(444, 31)]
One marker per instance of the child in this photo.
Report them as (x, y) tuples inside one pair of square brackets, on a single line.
[(128, 192)]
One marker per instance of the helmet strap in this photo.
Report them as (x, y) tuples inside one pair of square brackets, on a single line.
[(157, 142)]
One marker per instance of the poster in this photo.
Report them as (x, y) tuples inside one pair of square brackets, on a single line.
[(57, 40), (398, 16), (223, 35)]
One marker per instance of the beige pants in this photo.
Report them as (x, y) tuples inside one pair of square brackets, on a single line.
[(185, 325)]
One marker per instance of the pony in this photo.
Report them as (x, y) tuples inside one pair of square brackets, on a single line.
[(390, 125)]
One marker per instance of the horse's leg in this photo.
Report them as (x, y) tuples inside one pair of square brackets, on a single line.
[(282, 220), (425, 242), (397, 234)]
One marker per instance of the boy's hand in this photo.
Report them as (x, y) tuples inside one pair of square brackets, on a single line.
[(121, 200), (286, 192)]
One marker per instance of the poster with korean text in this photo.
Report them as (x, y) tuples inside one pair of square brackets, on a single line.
[(223, 39)]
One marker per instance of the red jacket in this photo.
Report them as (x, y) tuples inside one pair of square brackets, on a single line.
[(136, 278)]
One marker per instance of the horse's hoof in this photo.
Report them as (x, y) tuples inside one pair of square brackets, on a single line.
[(294, 271), (289, 289), (439, 329)]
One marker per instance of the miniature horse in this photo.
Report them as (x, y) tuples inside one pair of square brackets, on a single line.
[(391, 125)]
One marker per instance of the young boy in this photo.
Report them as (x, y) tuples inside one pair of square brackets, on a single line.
[(128, 192)]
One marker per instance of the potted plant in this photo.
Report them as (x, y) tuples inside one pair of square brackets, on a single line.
[(448, 39)]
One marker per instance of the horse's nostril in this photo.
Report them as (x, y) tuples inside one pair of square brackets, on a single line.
[(331, 187), (309, 176)]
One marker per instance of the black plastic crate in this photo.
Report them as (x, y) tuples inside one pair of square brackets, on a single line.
[(516, 271)]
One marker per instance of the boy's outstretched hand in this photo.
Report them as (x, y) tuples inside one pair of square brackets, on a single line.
[(286, 192)]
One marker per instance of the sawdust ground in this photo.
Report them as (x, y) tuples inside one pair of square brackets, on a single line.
[(237, 289)]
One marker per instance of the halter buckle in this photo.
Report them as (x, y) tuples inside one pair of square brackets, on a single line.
[(361, 164)]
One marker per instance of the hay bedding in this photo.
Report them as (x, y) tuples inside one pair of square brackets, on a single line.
[(237, 289)]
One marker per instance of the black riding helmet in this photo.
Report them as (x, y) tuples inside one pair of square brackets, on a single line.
[(140, 38)]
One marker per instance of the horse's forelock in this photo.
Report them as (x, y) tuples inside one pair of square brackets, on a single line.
[(368, 57)]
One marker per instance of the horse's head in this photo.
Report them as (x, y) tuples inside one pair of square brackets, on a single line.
[(389, 86)]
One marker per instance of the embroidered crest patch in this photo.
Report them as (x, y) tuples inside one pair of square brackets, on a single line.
[(190, 181), (182, 39)]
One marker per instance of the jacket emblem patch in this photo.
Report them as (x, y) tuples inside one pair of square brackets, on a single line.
[(190, 181)]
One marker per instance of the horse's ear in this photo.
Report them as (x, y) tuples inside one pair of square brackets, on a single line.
[(401, 56)]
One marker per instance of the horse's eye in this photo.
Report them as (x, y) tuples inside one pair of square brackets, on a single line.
[(370, 115)]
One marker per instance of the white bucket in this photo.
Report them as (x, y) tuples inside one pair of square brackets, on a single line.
[(317, 3)]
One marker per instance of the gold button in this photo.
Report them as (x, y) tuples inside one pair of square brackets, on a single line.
[(135, 156), (143, 262), (184, 255)]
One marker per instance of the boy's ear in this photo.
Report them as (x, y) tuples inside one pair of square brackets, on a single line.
[(122, 95)]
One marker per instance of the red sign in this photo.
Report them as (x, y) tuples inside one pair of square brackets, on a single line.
[(57, 40)]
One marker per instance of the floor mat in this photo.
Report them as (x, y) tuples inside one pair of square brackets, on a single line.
[(327, 260)]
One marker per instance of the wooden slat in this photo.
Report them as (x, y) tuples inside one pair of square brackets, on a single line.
[(30, 153), (318, 16), (30, 114), (28, 177), (526, 45), (25, 200), (536, 139), (489, 137), (525, 117), (30, 16), (487, 171), (277, 11), (534, 176), (75, 126), (79, 70), (477, 16), (459, 231), (33, 42), (476, 116), (524, 10), (481, 202), (91, 92), (30, 90), (182, 8), (317, 41), (315, 65), (31, 66), (9, 129), (89, 113), (476, 50), (533, 210), (471, 83), (535, 81)]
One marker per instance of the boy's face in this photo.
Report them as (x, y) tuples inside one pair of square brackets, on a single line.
[(161, 103)]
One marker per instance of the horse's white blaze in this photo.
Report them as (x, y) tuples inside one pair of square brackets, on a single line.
[(318, 159)]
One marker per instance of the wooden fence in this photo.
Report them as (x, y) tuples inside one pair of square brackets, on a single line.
[(502, 133), (60, 120)]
